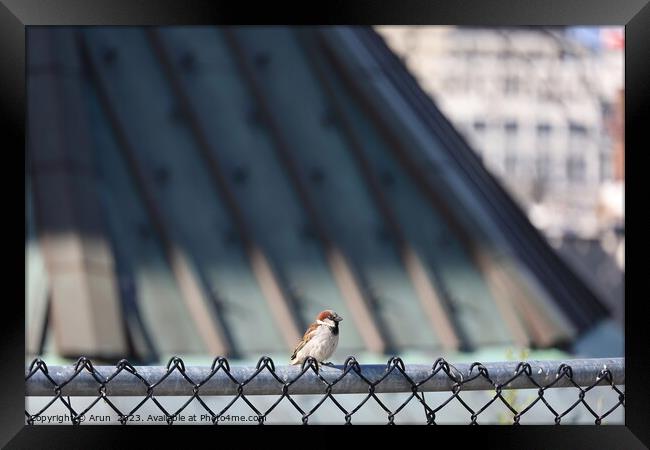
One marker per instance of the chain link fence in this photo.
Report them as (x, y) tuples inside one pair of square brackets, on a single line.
[(365, 384)]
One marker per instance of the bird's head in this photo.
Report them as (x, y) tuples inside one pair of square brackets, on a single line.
[(329, 318)]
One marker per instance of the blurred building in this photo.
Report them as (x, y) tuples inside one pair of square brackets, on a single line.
[(204, 191), (543, 108)]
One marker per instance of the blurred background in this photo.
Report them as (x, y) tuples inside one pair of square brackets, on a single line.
[(543, 109), (202, 191)]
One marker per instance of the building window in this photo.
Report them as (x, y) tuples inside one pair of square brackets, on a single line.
[(566, 55), (606, 170), (511, 127), (510, 145), (577, 129), (576, 169), (543, 136), (606, 108), (543, 167), (543, 130), (511, 85), (577, 136)]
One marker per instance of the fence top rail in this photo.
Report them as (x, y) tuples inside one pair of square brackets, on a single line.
[(176, 379)]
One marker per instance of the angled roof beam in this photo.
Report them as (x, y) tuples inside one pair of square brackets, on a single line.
[(534, 300), (558, 284), (482, 259), (373, 332), (86, 315), (209, 325), (272, 285), (434, 305)]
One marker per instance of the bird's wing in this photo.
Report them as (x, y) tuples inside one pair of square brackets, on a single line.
[(311, 331)]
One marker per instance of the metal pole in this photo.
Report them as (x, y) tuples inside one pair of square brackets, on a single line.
[(584, 373)]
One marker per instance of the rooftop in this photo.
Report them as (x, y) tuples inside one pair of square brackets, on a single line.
[(202, 190)]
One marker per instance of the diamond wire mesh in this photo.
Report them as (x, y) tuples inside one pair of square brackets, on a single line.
[(394, 365)]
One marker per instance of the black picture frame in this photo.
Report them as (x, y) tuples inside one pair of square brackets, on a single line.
[(16, 15)]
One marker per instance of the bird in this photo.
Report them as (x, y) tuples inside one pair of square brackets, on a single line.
[(320, 339)]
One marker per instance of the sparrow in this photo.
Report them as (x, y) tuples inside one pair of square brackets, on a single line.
[(320, 339)]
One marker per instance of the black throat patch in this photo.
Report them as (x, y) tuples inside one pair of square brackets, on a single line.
[(335, 329)]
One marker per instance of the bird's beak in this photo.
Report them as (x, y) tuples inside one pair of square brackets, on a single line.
[(338, 319)]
